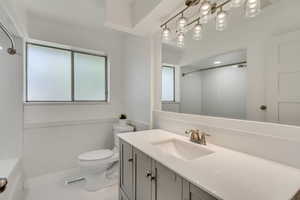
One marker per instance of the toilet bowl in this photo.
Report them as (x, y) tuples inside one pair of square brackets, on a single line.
[(94, 165)]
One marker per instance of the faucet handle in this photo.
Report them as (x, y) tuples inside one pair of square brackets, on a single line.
[(189, 131), (203, 137), (205, 134)]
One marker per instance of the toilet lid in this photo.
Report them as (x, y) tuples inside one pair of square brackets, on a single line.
[(96, 155)]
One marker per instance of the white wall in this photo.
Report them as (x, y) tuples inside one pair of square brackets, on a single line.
[(170, 106), (137, 79), (11, 110), (141, 8), (56, 134), (216, 92), (191, 93), (224, 92), (171, 55)]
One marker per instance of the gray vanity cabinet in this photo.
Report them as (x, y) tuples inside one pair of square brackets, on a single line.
[(168, 184), (126, 170), (122, 195), (143, 176), (191, 192)]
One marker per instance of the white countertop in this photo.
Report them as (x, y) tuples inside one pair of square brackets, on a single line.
[(225, 174)]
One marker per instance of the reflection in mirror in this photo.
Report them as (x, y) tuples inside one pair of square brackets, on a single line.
[(249, 71), (215, 86)]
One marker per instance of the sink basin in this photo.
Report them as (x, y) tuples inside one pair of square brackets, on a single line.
[(182, 150)]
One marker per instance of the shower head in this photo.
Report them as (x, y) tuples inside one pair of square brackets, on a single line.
[(12, 50)]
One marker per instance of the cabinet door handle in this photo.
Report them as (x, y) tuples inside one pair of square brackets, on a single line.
[(153, 178), (148, 173), (130, 160)]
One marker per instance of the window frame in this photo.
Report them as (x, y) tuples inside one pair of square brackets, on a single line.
[(174, 83), (72, 51)]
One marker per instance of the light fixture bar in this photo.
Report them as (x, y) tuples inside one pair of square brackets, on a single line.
[(208, 9), (213, 10), (180, 13)]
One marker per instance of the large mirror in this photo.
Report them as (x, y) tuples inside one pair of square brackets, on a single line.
[(249, 71)]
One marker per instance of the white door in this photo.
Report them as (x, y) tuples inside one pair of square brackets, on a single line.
[(283, 79)]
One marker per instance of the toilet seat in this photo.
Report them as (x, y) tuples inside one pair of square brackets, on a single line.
[(98, 155)]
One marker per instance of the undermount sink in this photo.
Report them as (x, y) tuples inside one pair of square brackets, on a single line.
[(182, 150)]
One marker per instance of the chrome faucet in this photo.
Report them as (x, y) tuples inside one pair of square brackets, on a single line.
[(3, 183), (196, 137)]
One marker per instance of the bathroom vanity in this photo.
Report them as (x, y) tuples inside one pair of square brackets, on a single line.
[(159, 165)]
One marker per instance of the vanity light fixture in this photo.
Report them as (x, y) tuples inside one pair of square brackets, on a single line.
[(197, 32), (208, 9), (166, 33)]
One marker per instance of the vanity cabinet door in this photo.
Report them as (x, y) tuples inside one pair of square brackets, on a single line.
[(198, 194), (126, 169), (122, 196), (142, 176), (168, 184)]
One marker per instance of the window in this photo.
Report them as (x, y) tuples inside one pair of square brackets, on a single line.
[(62, 75), (168, 83)]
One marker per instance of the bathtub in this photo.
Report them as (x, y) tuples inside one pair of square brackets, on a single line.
[(12, 170)]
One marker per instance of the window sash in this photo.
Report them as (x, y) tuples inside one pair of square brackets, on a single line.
[(174, 92), (72, 75)]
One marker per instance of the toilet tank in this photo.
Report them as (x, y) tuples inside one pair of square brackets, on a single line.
[(119, 129)]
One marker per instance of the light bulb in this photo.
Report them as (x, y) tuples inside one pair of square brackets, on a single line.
[(221, 20), (166, 32), (204, 19), (252, 8), (197, 32), (180, 39), (237, 3), (181, 23), (205, 8)]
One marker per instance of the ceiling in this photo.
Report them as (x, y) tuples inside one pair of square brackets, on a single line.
[(87, 13), (224, 59), (92, 14)]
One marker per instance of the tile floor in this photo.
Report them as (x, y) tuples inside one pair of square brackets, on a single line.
[(52, 187)]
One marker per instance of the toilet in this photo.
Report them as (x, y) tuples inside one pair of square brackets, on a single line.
[(94, 165)]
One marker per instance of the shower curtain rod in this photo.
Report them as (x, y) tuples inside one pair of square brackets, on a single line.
[(12, 50), (216, 67)]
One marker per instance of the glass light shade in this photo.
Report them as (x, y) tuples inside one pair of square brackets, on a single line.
[(221, 20), (205, 8), (166, 33), (252, 8), (180, 40), (181, 23), (197, 32), (237, 3), (204, 19)]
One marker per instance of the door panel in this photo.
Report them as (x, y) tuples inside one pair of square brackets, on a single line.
[(283, 79), (122, 196), (126, 169), (142, 176), (169, 184)]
